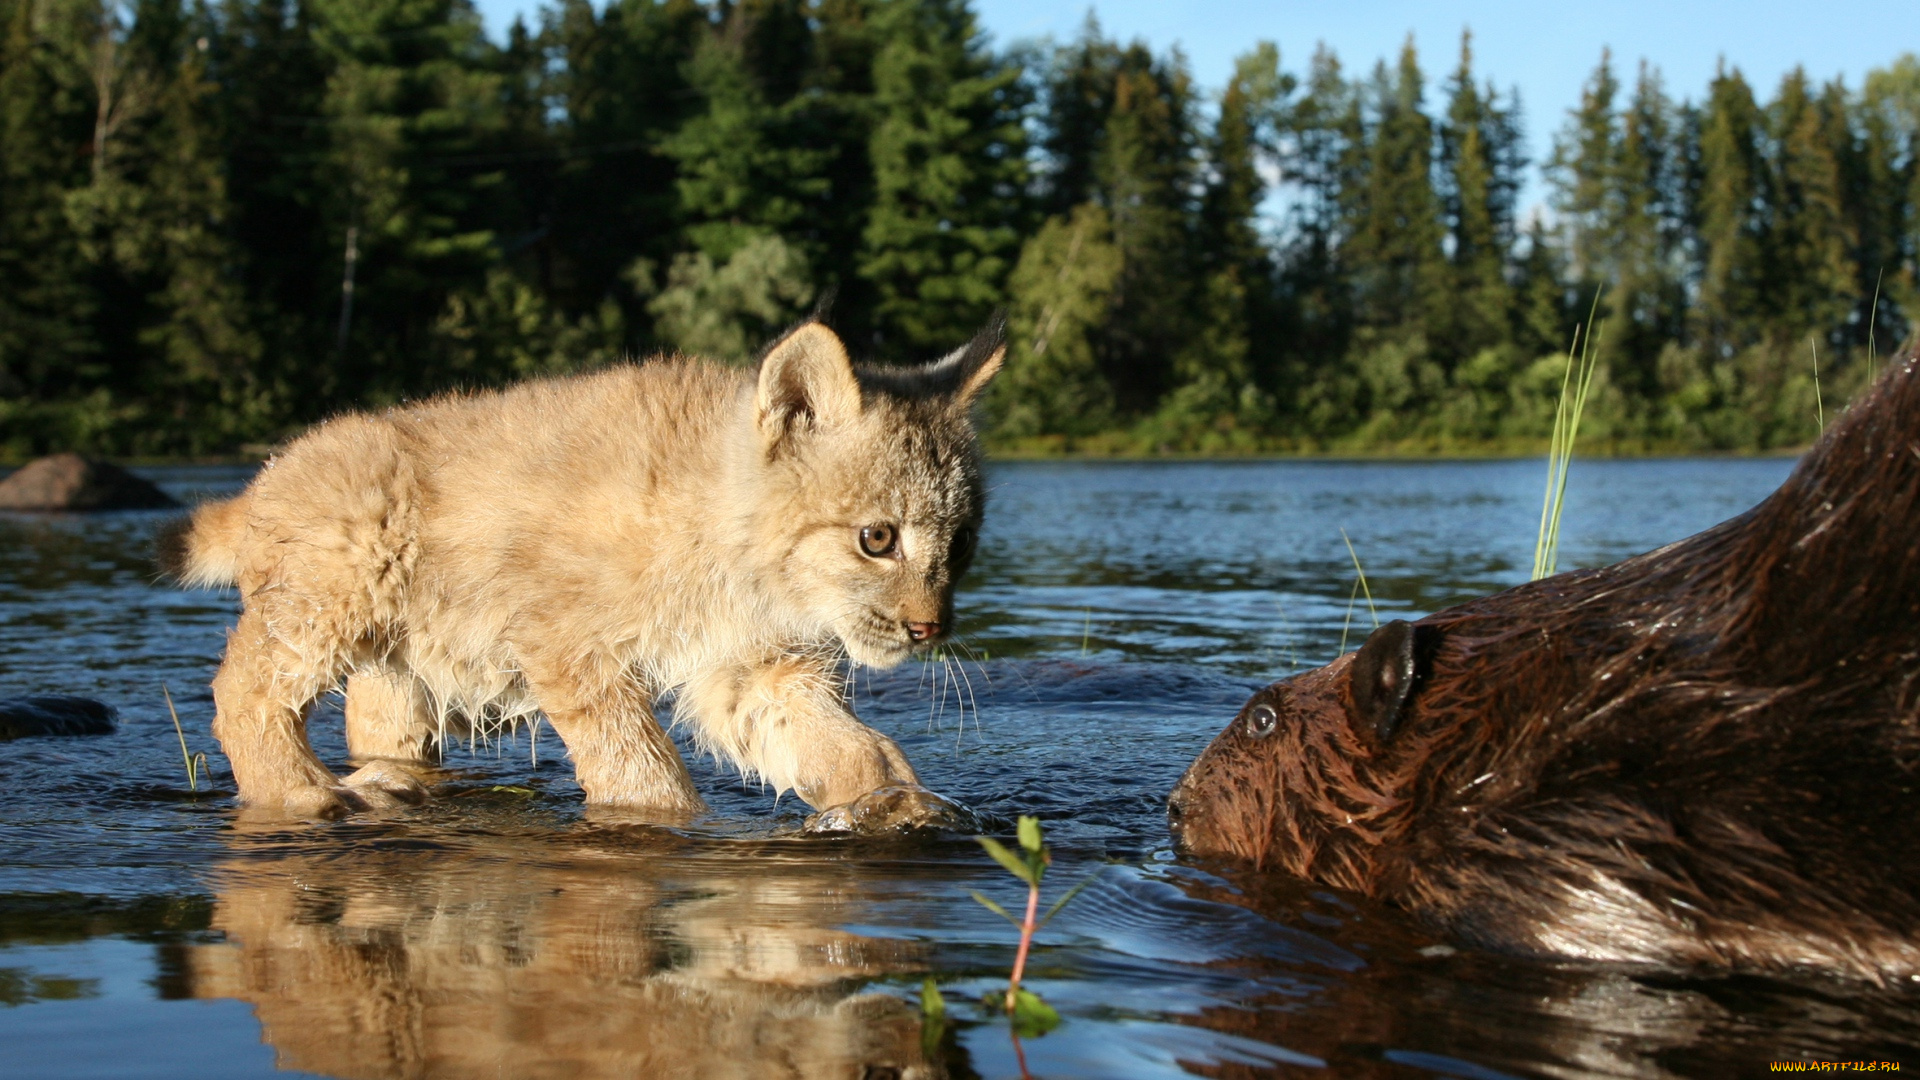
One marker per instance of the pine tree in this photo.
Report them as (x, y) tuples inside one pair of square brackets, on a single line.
[(949, 173)]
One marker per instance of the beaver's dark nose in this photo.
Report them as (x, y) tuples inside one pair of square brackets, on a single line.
[(923, 631)]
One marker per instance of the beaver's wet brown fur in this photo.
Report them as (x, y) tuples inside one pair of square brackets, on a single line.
[(1707, 755)]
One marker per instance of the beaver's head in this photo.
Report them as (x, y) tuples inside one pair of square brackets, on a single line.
[(1304, 779)]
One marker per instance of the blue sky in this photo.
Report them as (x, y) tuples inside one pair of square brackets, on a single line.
[(1546, 49)]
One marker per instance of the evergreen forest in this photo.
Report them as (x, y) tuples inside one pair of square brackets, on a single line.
[(221, 220)]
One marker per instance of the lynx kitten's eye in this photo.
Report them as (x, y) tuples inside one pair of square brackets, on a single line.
[(879, 540), (962, 548)]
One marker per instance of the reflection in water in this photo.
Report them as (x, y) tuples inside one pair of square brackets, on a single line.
[(1423, 1005), (612, 956)]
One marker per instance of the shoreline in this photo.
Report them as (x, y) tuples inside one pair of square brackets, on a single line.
[(1490, 452)]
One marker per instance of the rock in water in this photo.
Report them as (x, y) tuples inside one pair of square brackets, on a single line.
[(54, 714), (72, 482)]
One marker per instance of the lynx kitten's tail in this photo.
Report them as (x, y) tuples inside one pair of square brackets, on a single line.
[(202, 550)]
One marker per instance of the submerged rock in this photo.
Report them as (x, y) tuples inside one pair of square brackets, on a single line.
[(54, 714), (73, 482)]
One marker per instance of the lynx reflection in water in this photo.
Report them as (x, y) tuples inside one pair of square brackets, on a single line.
[(624, 953)]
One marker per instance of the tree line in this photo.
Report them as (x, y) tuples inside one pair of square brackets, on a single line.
[(223, 219)]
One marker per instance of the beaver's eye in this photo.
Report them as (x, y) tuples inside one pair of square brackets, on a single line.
[(1261, 721), (879, 540)]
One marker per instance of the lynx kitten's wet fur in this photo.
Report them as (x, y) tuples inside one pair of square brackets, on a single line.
[(576, 548)]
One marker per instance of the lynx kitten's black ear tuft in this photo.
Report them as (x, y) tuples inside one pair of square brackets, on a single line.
[(980, 361), (806, 379), (1385, 673), (823, 305)]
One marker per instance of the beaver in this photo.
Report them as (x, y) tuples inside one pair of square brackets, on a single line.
[(1706, 756)]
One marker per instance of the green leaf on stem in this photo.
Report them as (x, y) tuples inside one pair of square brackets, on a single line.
[(1015, 864), (1062, 902), (1030, 833), (995, 908), (1032, 1017)]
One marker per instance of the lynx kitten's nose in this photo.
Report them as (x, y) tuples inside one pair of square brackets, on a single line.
[(921, 631)]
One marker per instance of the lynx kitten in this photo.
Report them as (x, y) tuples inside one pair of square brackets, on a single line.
[(578, 547)]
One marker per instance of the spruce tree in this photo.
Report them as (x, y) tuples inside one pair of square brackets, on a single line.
[(1619, 185), (1585, 172), (1395, 229), (1729, 310), (1648, 283), (414, 114), (1079, 85), (1322, 145), (949, 175), (752, 160), (271, 80), (1888, 111), (1477, 159), (1810, 277), (1215, 402), (619, 81), (157, 217), (49, 350), (1145, 175)]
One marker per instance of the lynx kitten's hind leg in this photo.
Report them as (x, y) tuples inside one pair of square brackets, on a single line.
[(261, 696), (388, 716)]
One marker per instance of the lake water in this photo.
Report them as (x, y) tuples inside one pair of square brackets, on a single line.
[(1117, 616)]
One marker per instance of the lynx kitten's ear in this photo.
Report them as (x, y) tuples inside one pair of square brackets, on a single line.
[(981, 360), (806, 378)]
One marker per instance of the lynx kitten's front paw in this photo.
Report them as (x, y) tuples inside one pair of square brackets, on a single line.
[(894, 808)]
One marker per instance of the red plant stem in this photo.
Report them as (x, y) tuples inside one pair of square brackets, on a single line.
[(1026, 941)]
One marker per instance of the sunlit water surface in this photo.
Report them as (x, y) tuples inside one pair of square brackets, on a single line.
[(1117, 616)]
